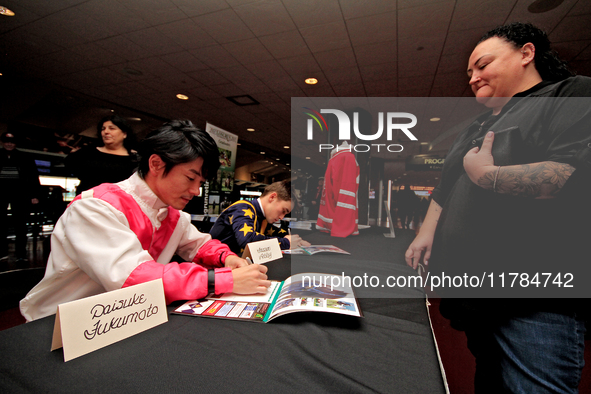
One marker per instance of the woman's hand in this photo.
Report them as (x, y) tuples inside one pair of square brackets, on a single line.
[(480, 164), (420, 247)]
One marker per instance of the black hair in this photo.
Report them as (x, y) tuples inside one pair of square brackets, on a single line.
[(546, 61), (177, 142), (130, 142)]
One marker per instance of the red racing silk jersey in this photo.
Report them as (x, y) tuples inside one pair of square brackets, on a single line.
[(338, 206)]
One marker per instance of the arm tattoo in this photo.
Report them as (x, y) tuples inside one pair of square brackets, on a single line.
[(538, 180), (437, 209), (436, 206)]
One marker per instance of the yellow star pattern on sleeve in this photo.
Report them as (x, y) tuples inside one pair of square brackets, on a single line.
[(246, 229), (248, 212), (231, 218), (282, 231), (270, 231)]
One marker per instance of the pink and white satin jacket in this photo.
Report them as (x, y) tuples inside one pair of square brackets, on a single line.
[(118, 235)]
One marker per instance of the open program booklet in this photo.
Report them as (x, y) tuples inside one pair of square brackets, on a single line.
[(313, 249), (307, 292)]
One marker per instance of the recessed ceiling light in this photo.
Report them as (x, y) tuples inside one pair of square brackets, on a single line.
[(250, 129), (435, 119), (424, 143), (307, 157), (5, 11), (182, 97), (287, 164), (285, 147), (262, 153), (311, 81)]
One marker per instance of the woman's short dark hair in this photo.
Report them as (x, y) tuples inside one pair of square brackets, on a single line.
[(130, 142), (547, 63), (177, 142)]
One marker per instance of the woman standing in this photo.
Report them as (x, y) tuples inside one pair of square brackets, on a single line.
[(112, 162), (513, 207)]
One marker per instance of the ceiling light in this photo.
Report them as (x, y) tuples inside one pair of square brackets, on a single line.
[(435, 119), (262, 153), (285, 147), (182, 97), (287, 163), (311, 81), (249, 129), (307, 157), (424, 143), (5, 11)]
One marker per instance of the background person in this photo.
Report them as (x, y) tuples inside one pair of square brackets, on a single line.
[(112, 162), (19, 182), (407, 202), (510, 207), (244, 221), (314, 197), (119, 235)]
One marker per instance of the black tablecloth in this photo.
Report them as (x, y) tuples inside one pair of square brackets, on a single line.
[(390, 350)]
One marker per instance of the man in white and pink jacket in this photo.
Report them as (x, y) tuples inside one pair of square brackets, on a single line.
[(119, 235)]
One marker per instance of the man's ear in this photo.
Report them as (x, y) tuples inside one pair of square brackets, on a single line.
[(156, 164), (272, 196)]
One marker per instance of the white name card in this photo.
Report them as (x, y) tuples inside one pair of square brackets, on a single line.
[(85, 325), (262, 252)]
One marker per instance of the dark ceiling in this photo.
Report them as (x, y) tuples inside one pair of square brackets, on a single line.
[(65, 63)]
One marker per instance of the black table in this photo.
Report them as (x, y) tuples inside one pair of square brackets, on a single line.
[(390, 350)]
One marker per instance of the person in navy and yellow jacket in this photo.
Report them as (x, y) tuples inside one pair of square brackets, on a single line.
[(245, 221)]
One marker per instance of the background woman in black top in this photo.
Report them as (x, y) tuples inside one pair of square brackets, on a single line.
[(112, 162)]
